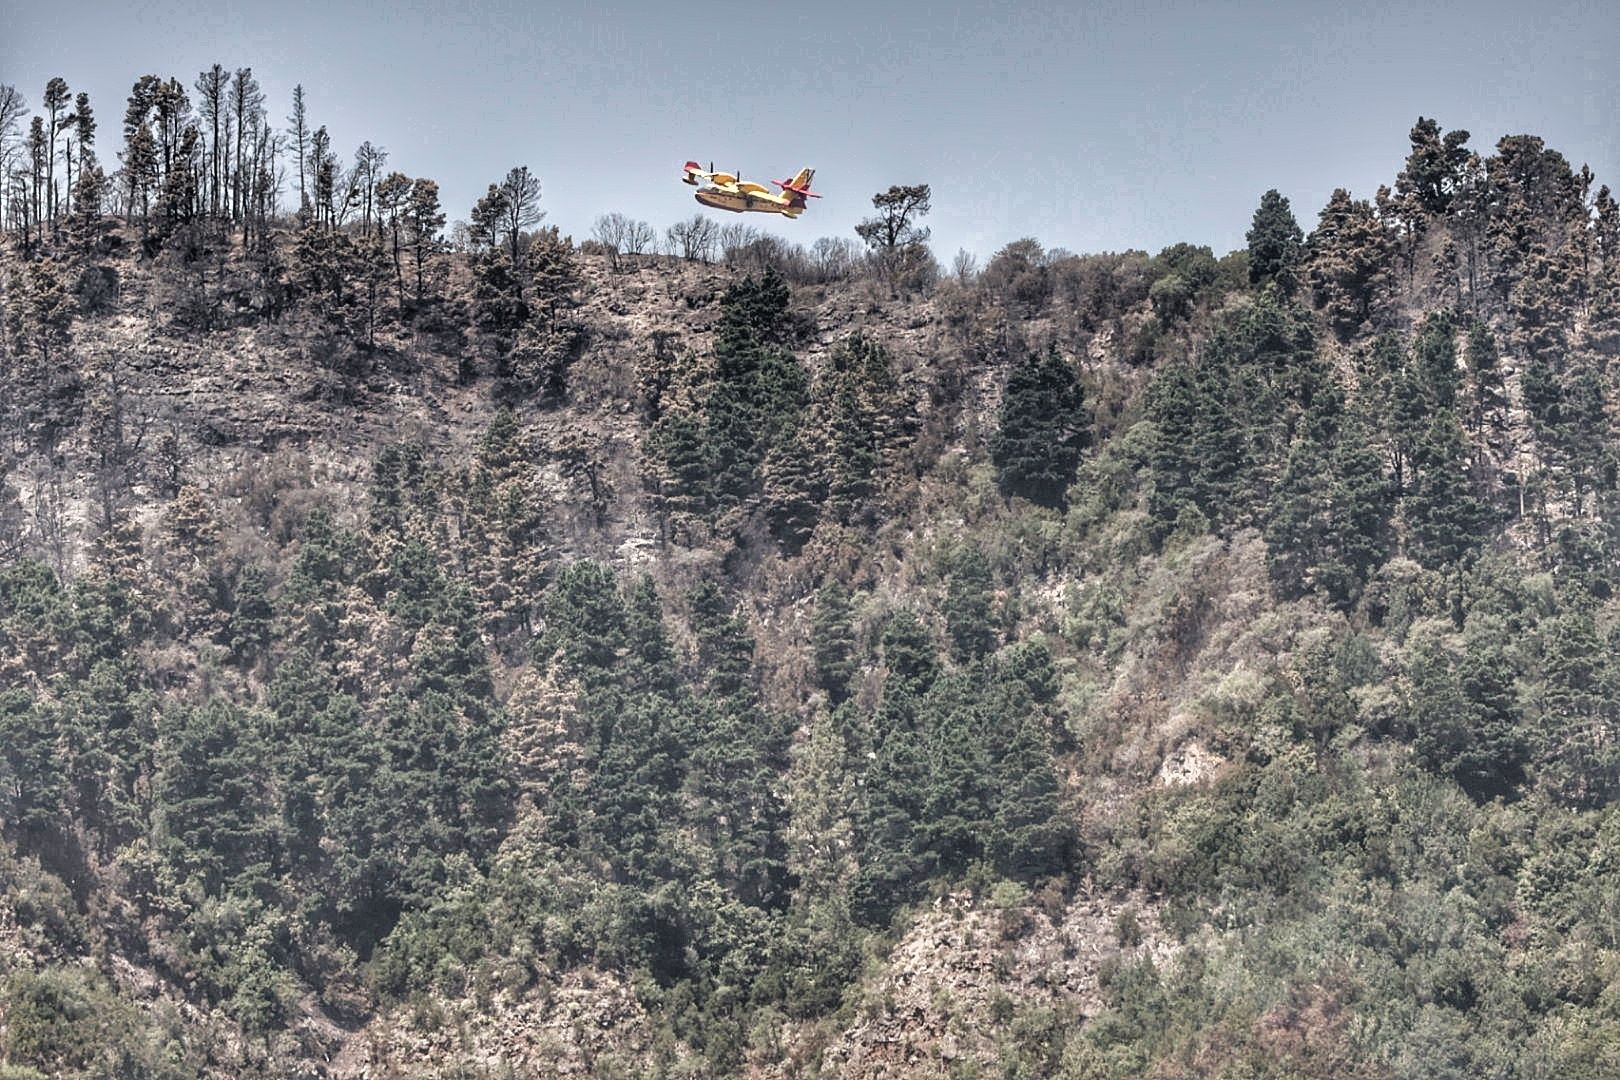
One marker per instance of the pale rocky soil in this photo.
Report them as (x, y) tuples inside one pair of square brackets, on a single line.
[(965, 968), (588, 1024)]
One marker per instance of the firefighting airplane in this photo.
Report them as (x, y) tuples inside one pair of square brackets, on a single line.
[(723, 191)]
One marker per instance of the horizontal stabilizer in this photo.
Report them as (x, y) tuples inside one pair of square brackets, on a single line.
[(799, 184)]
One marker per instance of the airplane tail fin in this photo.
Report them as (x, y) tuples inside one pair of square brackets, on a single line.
[(798, 188)]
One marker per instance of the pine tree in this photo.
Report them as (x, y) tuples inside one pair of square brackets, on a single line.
[(1361, 507), (212, 790), (1434, 169), (506, 521), (33, 782), (1603, 327), (247, 109), (43, 313), (141, 167), (323, 261), (711, 439), (88, 191), (1172, 406), (498, 284), (393, 192), (584, 623), (898, 241), (1408, 419), (1276, 244), (739, 751), (960, 788), (1348, 261), (1586, 437), (55, 100), (969, 620), (1221, 418), (1488, 403), (1029, 835), (1327, 518), (892, 863), (794, 487), (680, 467), (725, 649), (891, 853), (445, 787), (832, 639), (1435, 362), (211, 88), (1578, 723), (423, 221), (1042, 429), (1495, 757), (760, 391), (1443, 516), (249, 628), (821, 804), (179, 197), (651, 654), (909, 653), (372, 269), (554, 276), (1299, 521), (402, 498), (83, 123), (36, 202), (300, 137), (859, 412), (325, 567)]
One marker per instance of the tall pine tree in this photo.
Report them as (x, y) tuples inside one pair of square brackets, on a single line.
[(1042, 429)]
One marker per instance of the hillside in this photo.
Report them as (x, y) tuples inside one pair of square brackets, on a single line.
[(501, 656)]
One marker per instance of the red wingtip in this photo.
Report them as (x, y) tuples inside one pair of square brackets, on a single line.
[(692, 166), (787, 185)]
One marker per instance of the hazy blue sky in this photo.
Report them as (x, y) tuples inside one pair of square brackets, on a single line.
[(1093, 126)]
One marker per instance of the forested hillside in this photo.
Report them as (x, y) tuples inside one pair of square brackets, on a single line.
[(476, 653)]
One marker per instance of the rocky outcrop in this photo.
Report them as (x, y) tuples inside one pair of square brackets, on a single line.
[(587, 1023), (951, 995)]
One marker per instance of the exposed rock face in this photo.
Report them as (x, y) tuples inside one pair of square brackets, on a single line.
[(958, 979), (588, 1023), (1192, 763)]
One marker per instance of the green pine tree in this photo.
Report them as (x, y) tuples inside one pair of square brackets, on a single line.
[(967, 607), (1276, 244), (832, 639), (1042, 429), (1444, 518)]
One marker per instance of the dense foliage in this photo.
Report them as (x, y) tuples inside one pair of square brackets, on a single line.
[(537, 624)]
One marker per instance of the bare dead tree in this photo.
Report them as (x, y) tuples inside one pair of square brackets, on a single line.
[(734, 239), (610, 231), (13, 108), (49, 519), (694, 239), (247, 112), (211, 86)]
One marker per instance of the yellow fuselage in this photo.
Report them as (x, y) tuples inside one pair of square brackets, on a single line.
[(738, 201), (725, 192)]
